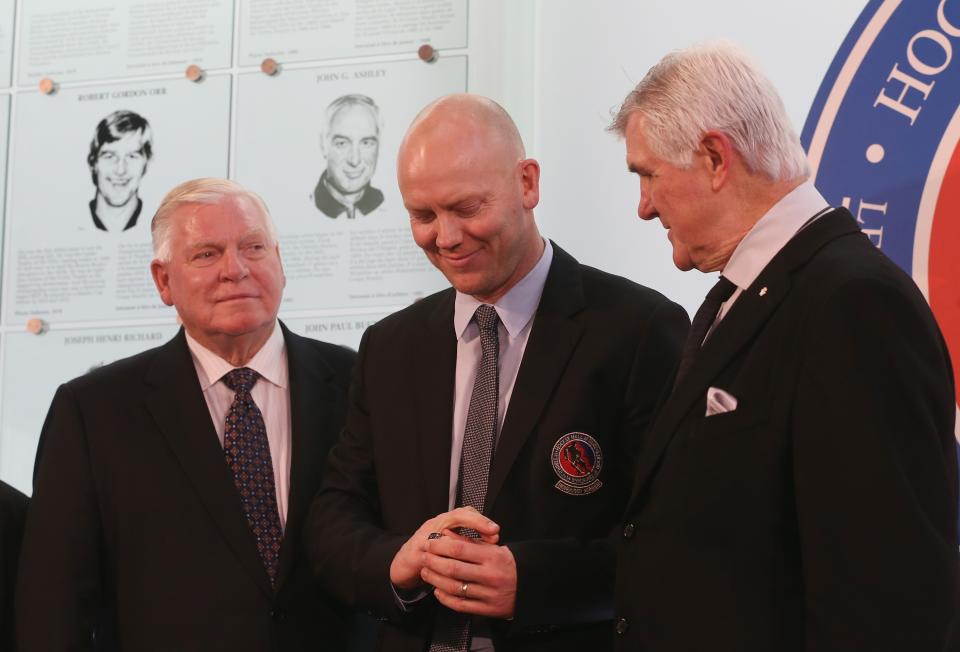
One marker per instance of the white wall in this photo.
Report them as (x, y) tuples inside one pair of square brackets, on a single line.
[(590, 54)]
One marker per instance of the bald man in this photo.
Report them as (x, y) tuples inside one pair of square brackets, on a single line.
[(492, 427)]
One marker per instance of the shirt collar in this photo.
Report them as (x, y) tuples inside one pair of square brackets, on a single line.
[(269, 361), (516, 308), (772, 232)]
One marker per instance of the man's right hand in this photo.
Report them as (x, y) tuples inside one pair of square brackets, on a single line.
[(408, 562)]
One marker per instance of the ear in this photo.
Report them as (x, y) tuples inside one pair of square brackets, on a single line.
[(161, 279), (280, 260), (530, 182), (716, 153)]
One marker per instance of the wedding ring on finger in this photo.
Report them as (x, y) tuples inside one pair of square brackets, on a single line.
[(463, 590)]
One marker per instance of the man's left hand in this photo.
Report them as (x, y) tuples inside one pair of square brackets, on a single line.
[(471, 576)]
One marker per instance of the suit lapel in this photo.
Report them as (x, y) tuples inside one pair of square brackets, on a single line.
[(552, 341), (751, 311), (176, 403), (312, 402), (433, 360)]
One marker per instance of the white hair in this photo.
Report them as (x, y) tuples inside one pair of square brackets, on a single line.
[(714, 86), (207, 190)]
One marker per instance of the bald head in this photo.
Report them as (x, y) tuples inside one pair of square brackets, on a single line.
[(470, 193), (467, 123)]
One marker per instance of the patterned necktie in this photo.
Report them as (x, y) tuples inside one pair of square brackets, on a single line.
[(248, 455), (451, 631), (701, 324)]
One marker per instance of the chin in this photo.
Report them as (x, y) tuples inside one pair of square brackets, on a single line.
[(473, 287), (244, 325)]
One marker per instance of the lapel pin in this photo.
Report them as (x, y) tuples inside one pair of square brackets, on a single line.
[(763, 291)]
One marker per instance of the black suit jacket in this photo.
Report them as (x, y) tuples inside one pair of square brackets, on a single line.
[(136, 529), (820, 514), (600, 352), (13, 513)]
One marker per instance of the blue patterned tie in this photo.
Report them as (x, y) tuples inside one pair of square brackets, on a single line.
[(248, 455)]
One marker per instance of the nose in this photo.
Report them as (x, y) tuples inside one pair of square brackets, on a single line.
[(449, 233), (232, 266), (353, 157), (646, 209), (121, 166)]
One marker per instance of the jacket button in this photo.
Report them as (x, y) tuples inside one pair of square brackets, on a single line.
[(622, 626), (628, 530)]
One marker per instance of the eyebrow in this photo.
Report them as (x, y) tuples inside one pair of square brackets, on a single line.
[(637, 169), (452, 203), (255, 234), (461, 201), (204, 244)]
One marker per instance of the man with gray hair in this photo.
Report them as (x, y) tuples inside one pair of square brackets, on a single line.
[(170, 487), (798, 489), (351, 144)]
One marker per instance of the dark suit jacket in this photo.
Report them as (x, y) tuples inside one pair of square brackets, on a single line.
[(136, 529), (600, 352), (13, 513), (820, 515)]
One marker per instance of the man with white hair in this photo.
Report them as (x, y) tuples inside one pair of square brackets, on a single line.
[(170, 487), (798, 489), (351, 145)]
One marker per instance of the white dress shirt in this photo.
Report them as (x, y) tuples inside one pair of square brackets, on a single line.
[(768, 236), (271, 393), (516, 310)]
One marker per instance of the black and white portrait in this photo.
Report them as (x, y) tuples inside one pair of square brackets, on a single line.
[(351, 145), (121, 148)]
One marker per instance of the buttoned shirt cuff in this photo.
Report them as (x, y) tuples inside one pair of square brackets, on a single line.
[(407, 599)]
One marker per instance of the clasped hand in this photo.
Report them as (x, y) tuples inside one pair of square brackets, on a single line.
[(473, 576)]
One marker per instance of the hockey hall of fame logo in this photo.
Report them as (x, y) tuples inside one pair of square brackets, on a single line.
[(577, 460), (882, 138)]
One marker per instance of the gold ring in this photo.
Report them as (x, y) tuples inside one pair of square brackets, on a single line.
[(463, 589)]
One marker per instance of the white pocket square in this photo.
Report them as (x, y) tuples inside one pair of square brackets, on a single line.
[(720, 402)]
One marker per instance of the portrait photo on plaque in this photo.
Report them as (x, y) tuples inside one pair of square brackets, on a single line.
[(120, 151), (350, 140), (320, 146), (89, 167)]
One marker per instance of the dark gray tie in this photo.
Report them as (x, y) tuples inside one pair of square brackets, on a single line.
[(702, 321), (451, 632)]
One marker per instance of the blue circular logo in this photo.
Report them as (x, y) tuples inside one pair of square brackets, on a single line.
[(882, 140)]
